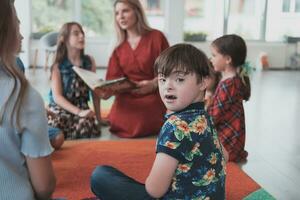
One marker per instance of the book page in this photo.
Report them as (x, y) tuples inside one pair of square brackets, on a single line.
[(115, 86), (89, 77)]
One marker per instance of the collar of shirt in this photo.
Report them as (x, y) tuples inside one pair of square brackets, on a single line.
[(197, 105)]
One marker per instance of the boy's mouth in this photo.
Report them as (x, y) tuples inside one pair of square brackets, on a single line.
[(170, 97)]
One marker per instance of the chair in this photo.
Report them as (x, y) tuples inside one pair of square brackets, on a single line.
[(47, 43)]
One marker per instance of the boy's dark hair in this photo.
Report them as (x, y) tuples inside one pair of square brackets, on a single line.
[(235, 47), (183, 57)]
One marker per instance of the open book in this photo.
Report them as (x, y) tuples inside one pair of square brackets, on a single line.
[(92, 80)]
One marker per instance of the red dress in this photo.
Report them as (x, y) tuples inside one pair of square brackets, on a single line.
[(131, 115), (228, 114)]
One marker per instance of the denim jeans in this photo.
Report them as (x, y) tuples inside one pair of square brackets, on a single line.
[(108, 183), (53, 132)]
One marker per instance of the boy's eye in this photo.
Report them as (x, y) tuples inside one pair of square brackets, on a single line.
[(179, 79), (161, 79)]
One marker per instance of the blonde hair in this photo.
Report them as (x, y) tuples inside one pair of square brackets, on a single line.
[(62, 40), (142, 26), (9, 34)]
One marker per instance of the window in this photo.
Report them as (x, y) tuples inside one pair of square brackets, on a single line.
[(203, 18), (49, 15), (153, 7), (282, 20), (297, 6), (286, 4), (97, 17), (154, 10), (245, 18), (290, 6)]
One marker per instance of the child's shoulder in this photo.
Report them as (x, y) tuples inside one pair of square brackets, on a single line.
[(235, 81), (187, 117)]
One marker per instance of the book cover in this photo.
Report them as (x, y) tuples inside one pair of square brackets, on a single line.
[(116, 86)]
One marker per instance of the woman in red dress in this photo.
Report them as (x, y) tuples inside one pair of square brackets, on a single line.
[(140, 112)]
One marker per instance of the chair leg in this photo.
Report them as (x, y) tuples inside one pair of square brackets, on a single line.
[(47, 58)]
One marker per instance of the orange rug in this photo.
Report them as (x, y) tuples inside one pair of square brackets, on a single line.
[(74, 163)]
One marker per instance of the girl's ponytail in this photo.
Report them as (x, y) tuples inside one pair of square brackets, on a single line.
[(244, 72)]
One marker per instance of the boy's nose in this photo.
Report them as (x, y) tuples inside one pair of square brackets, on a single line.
[(169, 89), (169, 85)]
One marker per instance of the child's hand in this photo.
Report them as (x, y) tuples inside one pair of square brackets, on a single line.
[(86, 113), (50, 113), (208, 98)]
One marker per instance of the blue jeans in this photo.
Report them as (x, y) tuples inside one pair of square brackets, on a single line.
[(108, 183), (53, 132)]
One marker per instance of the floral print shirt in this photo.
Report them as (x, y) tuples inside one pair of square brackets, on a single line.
[(190, 137)]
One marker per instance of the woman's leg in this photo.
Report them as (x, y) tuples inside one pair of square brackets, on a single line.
[(108, 183)]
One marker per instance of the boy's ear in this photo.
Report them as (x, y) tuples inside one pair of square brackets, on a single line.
[(204, 83)]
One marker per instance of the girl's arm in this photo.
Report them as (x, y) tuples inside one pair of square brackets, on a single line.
[(161, 174), (42, 176), (222, 101), (60, 100)]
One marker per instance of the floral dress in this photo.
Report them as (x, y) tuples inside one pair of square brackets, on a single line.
[(77, 93), (189, 137)]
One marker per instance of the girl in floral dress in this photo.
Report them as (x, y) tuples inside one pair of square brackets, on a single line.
[(69, 95)]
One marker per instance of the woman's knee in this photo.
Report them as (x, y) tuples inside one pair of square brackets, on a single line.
[(57, 141)]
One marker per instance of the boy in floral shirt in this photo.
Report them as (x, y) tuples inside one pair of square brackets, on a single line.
[(189, 161)]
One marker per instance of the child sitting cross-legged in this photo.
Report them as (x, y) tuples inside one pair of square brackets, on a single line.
[(189, 161)]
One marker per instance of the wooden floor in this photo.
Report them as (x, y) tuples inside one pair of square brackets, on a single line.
[(273, 136), (272, 123)]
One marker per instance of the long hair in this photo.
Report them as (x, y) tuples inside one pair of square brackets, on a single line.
[(142, 26), (235, 47), (9, 43), (183, 57), (62, 42)]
